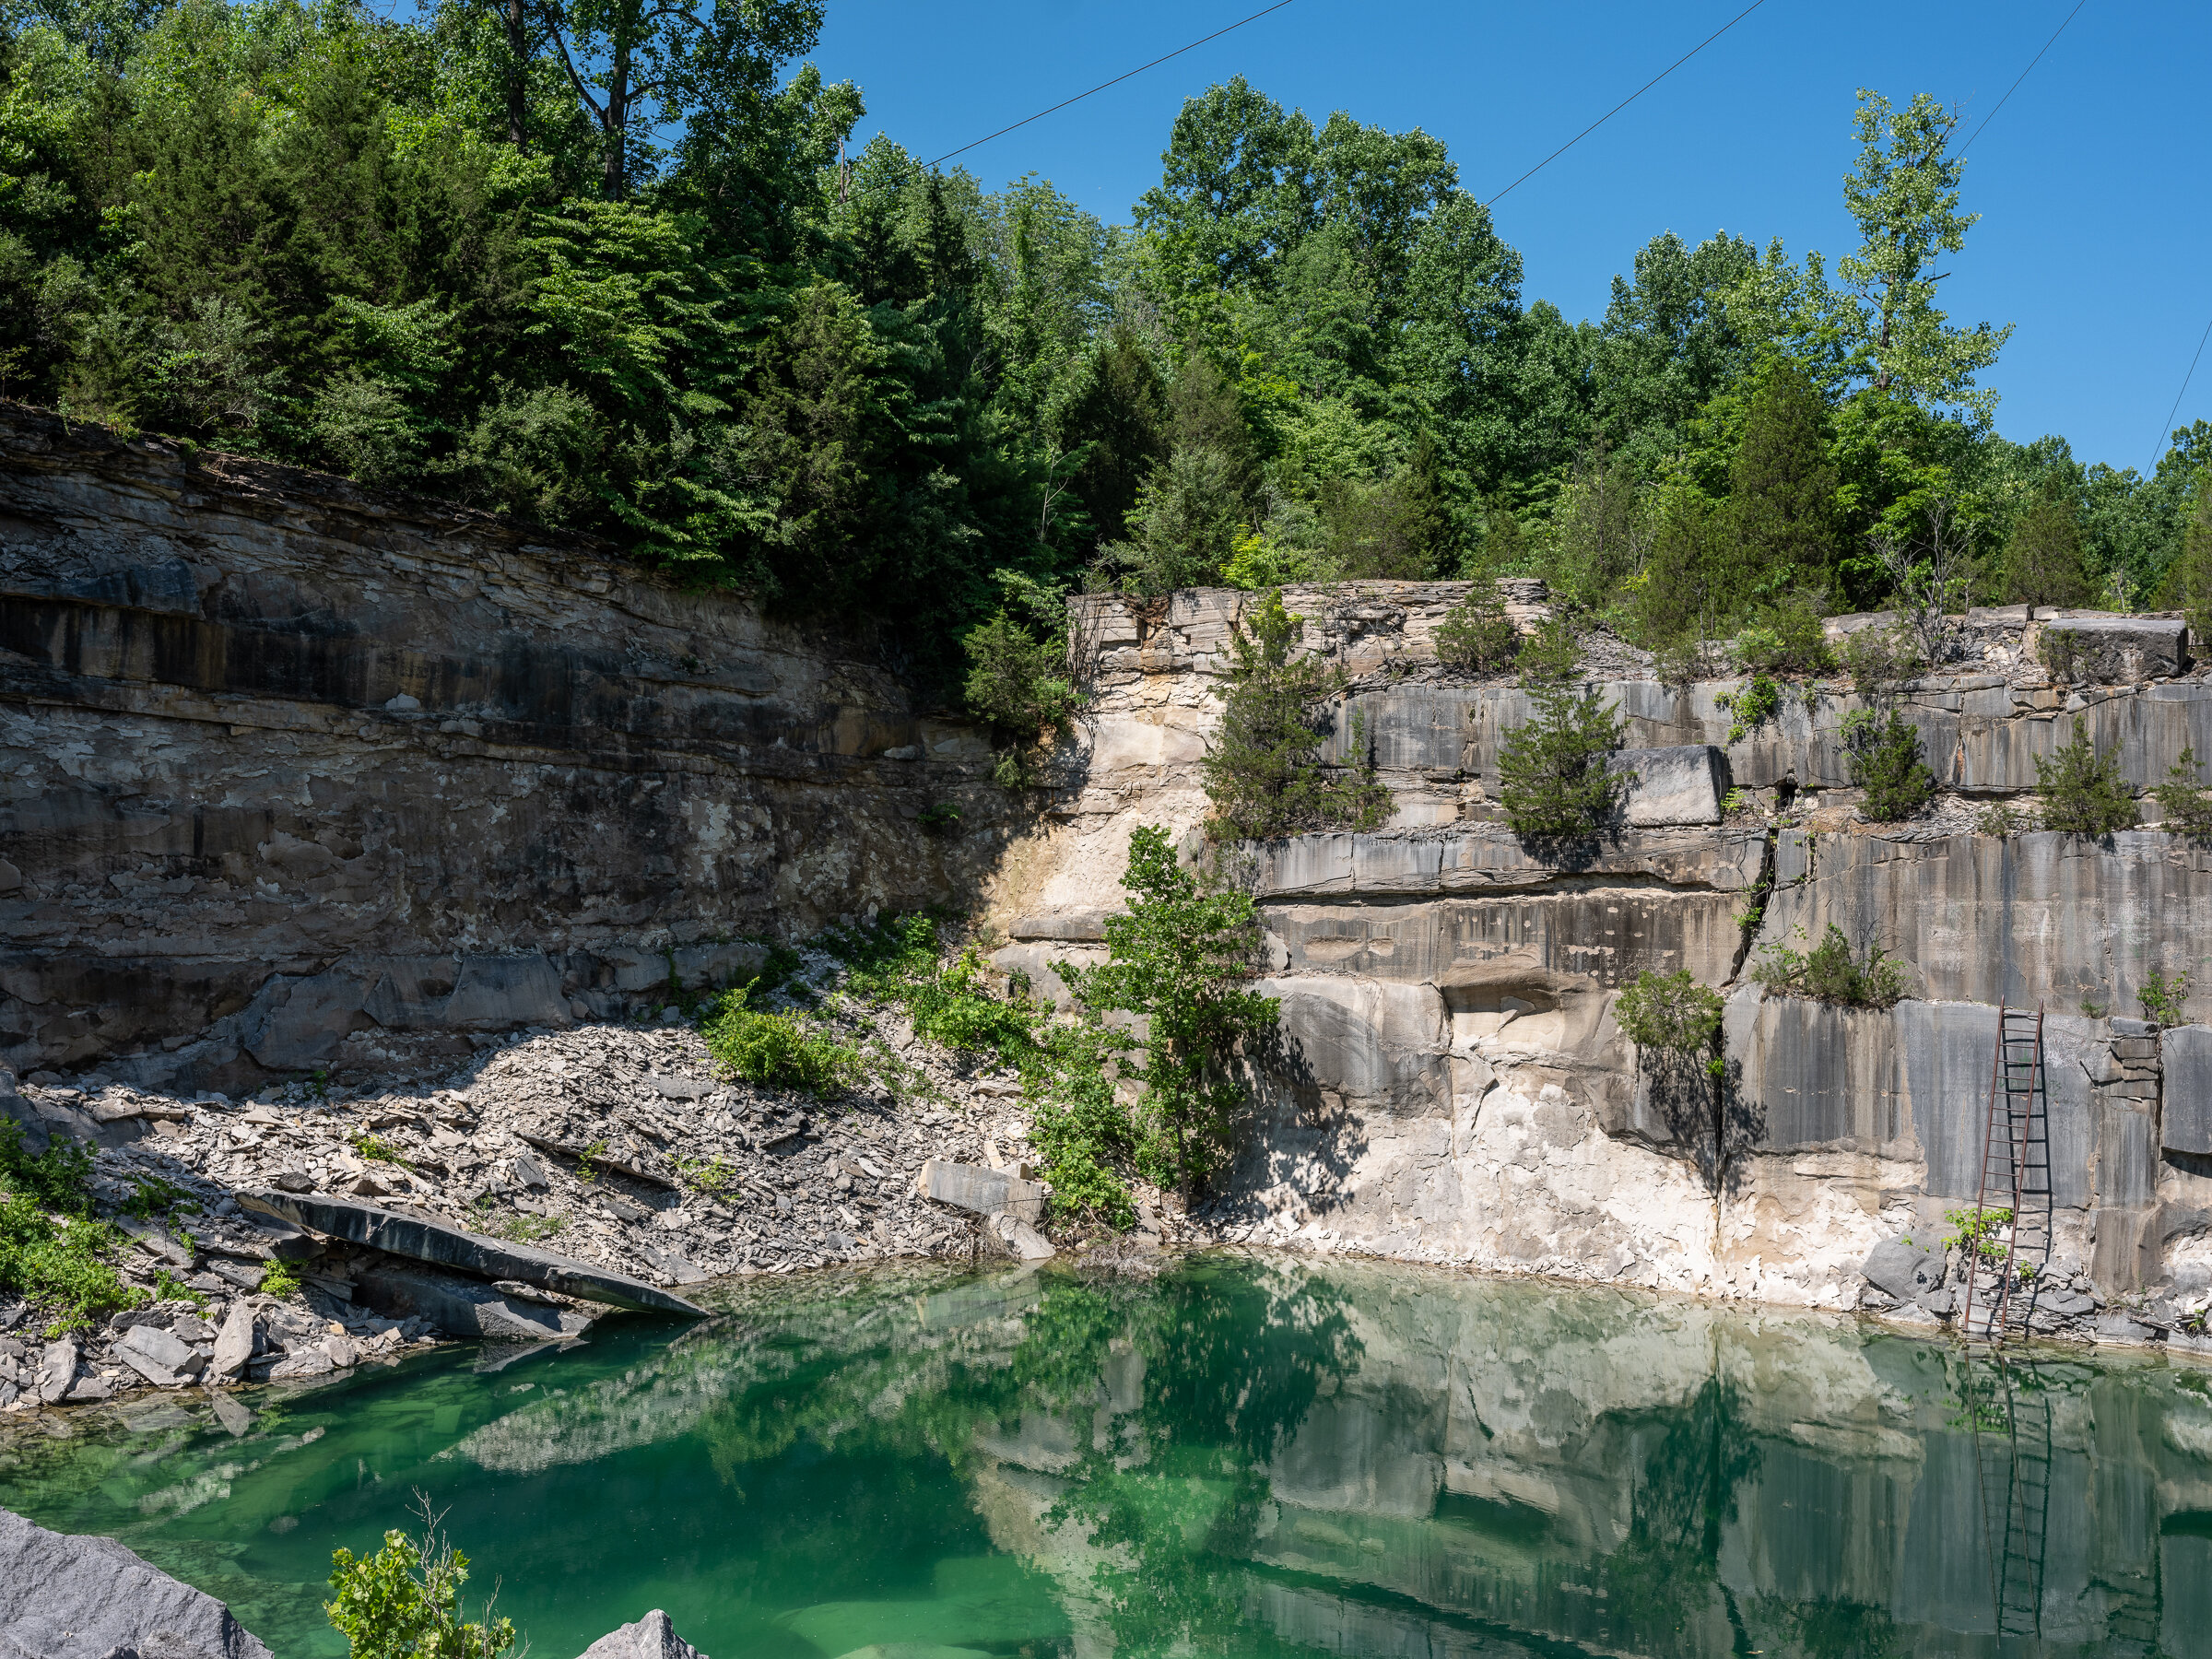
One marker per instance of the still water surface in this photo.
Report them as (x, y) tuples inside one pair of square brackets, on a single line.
[(1244, 1456)]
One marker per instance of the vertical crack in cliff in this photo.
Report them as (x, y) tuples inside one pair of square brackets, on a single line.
[(1753, 915)]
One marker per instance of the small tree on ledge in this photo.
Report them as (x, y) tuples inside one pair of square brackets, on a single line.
[(1263, 772), (1556, 777)]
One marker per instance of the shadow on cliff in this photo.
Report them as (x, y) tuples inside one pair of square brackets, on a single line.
[(1295, 1136), (1711, 1121)]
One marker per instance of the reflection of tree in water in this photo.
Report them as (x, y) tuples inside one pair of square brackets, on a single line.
[(1665, 1576), (1234, 1359)]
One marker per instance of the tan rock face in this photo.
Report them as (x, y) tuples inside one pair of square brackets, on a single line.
[(1450, 1084)]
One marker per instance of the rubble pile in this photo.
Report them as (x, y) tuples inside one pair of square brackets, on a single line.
[(616, 1146)]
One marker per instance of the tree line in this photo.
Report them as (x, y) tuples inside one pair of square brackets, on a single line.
[(611, 265)]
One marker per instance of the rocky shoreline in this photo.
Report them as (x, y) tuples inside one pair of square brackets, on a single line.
[(617, 1147)]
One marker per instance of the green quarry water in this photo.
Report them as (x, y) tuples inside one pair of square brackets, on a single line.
[(1244, 1456)]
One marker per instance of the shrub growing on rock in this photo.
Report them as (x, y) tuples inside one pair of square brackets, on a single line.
[(1883, 757), (1671, 1012), (1183, 959), (1830, 972), (1556, 777), (2083, 792), (1476, 633), (1263, 772), (777, 1050), (405, 1601), (2183, 807)]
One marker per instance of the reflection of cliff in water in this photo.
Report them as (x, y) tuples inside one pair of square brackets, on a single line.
[(1481, 1462), (1377, 1461)]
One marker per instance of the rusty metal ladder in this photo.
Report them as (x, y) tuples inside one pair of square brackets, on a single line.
[(2016, 1166)]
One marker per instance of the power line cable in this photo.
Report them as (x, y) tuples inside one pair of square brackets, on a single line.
[(1624, 102), (1116, 81), (2166, 427), (2024, 75)]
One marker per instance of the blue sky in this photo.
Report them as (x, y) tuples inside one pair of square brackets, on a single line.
[(2091, 180)]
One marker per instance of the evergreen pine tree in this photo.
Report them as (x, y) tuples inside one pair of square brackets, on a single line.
[(2043, 560), (1556, 777), (1263, 772), (1782, 489)]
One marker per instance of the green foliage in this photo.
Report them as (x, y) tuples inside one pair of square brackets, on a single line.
[(1782, 491), (2043, 558), (2083, 792), (1883, 754), (1180, 959), (2184, 806), (1670, 1012), (280, 1278), (1476, 633), (1999, 819), (1556, 774), (55, 1179), (153, 1195), (1830, 972), (377, 1149), (1263, 772), (1904, 194), (1787, 639), (404, 1602), (1880, 658), (2163, 998), (779, 1051), (1978, 1232), (1748, 709), (2059, 650), (713, 1176), (53, 1253), (939, 817)]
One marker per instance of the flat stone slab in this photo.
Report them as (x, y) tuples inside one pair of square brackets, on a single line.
[(2123, 650), (469, 1252), (68, 1597), (981, 1191), (585, 1155)]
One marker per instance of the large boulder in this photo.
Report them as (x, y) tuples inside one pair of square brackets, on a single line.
[(1904, 1269), (466, 1307), (2106, 649), (1680, 784), (65, 1597), (653, 1637)]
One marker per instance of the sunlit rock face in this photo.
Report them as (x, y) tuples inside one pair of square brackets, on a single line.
[(1451, 1083)]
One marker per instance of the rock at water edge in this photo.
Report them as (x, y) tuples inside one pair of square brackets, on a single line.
[(653, 1637), (67, 1597)]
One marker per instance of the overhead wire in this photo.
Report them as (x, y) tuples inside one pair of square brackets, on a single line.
[(1116, 81), (2166, 426), (2024, 75), (1624, 102)]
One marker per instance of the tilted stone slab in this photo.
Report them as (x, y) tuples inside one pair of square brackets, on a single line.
[(981, 1191), (466, 1307), (421, 1241), (69, 1597)]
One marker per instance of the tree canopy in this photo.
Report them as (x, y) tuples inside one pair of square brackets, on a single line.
[(617, 266)]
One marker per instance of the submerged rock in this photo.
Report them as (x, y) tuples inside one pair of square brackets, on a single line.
[(67, 1597)]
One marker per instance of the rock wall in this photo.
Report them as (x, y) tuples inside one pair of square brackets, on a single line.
[(296, 775), (1454, 1086)]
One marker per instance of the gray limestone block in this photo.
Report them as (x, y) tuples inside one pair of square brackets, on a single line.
[(297, 1024), (464, 1307), (408, 994), (1372, 1042), (2123, 650), (1903, 1268), (653, 1637), (495, 992), (157, 1355), (981, 1191), (234, 1342), (15, 1109), (57, 1369), (1680, 784), (2128, 1155), (65, 1597), (2186, 1118), (1814, 1075), (1944, 1054)]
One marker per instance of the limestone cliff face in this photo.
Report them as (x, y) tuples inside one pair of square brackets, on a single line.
[(1451, 1084), (293, 772)]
